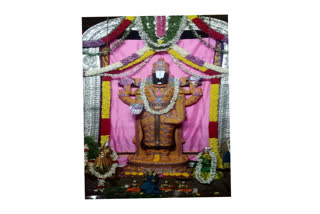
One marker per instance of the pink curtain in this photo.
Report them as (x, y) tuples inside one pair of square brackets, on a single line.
[(195, 127)]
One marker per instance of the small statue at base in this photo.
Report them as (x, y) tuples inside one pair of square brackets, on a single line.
[(103, 163), (150, 186)]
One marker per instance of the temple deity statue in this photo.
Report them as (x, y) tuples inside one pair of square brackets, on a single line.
[(159, 105)]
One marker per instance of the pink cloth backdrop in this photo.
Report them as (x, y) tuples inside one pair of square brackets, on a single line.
[(195, 127)]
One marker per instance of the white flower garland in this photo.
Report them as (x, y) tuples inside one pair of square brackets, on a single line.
[(178, 63), (212, 169), (127, 73), (184, 53), (147, 40), (114, 66), (172, 101), (112, 170)]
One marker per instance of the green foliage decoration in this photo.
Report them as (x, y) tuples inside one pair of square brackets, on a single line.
[(93, 148)]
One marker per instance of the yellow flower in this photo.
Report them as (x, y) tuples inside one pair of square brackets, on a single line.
[(178, 174), (185, 174), (197, 194), (140, 173), (127, 173), (165, 174), (134, 173)]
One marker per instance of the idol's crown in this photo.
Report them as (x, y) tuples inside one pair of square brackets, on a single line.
[(160, 65)]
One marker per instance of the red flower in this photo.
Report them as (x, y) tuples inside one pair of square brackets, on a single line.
[(116, 32), (205, 28)]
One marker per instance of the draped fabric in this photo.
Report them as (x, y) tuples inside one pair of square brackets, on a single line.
[(195, 127)]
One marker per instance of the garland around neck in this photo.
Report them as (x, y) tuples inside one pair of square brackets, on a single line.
[(172, 101)]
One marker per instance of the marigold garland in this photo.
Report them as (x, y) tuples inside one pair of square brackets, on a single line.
[(183, 59), (105, 108), (140, 59)]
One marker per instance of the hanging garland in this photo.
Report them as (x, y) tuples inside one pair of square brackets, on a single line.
[(146, 29), (115, 46), (195, 74), (206, 167), (145, 52), (127, 73), (202, 40), (172, 101), (205, 28), (112, 36), (189, 59), (133, 59)]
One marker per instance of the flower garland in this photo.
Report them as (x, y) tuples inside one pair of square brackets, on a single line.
[(161, 26), (202, 158), (195, 74), (205, 28), (193, 61), (172, 101), (176, 24), (135, 58), (128, 73), (204, 42), (115, 46), (112, 36)]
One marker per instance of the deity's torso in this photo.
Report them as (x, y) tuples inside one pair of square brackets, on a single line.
[(157, 135)]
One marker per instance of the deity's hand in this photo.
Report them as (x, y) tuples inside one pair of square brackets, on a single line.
[(136, 108), (126, 81), (195, 80)]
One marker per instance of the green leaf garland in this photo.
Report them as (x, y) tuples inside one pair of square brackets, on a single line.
[(150, 29)]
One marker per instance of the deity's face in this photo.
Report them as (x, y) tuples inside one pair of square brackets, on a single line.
[(160, 77)]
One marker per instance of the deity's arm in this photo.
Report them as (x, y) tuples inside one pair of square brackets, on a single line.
[(184, 81), (196, 94), (124, 95)]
